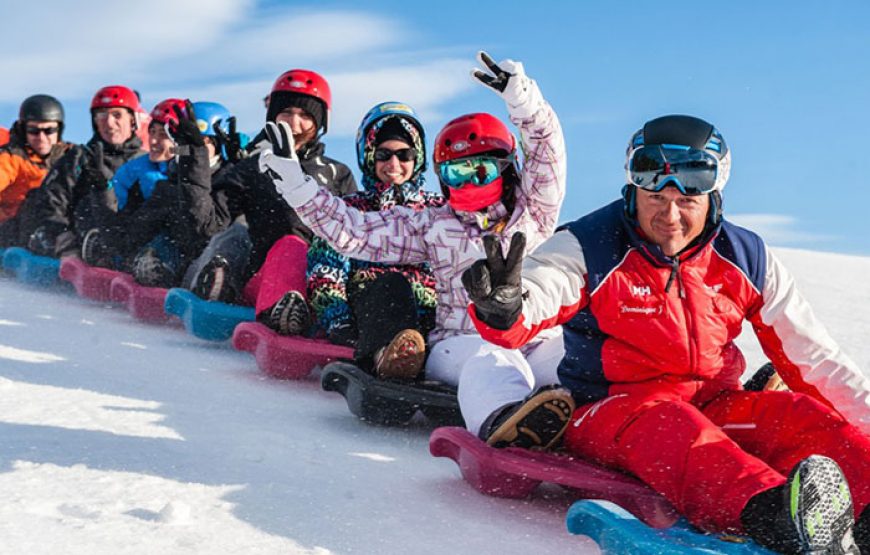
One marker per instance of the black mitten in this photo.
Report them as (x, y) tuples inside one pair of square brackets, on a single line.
[(494, 284)]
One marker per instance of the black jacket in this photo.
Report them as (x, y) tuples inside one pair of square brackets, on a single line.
[(53, 204), (244, 191)]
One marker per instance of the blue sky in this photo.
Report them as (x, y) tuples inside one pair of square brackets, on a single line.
[(787, 83)]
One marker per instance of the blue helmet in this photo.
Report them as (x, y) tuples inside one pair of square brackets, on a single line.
[(379, 112), (209, 113)]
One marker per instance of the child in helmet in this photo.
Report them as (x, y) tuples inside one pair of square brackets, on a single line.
[(37, 144), (381, 309), (138, 223), (489, 195), (49, 224), (242, 212)]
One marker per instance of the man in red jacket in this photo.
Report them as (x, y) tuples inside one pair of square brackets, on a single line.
[(651, 291)]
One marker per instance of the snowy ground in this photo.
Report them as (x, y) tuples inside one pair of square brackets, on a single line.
[(119, 437)]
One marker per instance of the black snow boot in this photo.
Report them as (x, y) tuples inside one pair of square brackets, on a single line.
[(216, 282), (289, 316), (151, 271), (811, 513)]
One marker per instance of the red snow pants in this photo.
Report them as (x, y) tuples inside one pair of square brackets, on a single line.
[(282, 271), (709, 460)]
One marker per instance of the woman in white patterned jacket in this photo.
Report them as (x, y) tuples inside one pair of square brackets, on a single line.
[(507, 396)]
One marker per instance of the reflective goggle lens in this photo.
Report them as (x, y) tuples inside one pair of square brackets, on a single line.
[(692, 171), (477, 171)]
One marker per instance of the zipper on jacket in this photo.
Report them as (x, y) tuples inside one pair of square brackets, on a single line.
[(676, 275)]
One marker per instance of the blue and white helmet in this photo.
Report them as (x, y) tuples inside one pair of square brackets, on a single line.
[(209, 113)]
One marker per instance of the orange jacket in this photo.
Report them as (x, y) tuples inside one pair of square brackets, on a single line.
[(21, 170), (4, 136)]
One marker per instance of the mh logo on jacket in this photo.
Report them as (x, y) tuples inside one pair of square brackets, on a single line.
[(641, 290)]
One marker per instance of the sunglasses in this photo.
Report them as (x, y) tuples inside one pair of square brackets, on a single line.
[(46, 130), (403, 154), (477, 171), (690, 170)]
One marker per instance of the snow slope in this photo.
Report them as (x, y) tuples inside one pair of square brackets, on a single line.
[(119, 437)]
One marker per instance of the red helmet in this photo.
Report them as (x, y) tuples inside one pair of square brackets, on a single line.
[(305, 82), (473, 134), (115, 96), (164, 111)]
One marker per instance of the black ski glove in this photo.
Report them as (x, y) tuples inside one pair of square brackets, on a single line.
[(494, 285), (499, 78), (231, 142), (95, 175), (186, 131)]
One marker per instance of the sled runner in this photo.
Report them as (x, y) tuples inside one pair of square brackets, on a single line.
[(30, 268), (209, 320), (618, 532), (90, 282), (514, 473), (285, 357), (389, 402), (144, 303)]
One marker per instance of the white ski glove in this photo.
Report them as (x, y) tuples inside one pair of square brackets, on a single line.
[(508, 79), (281, 164)]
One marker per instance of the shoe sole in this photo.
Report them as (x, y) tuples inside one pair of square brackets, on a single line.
[(553, 407), (403, 358), (296, 319), (820, 506)]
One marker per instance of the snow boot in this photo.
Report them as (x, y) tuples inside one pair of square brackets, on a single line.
[(812, 513), (96, 251), (149, 270), (289, 316), (537, 422), (402, 358), (216, 282)]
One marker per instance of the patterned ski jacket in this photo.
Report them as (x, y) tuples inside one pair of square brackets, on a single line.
[(333, 278), (447, 240), (638, 322)]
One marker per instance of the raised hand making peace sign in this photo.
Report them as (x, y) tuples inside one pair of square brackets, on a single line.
[(494, 284)]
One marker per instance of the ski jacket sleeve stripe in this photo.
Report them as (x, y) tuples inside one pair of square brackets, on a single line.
[(802, 351), (554, 283), (544, 165), (394, 236)]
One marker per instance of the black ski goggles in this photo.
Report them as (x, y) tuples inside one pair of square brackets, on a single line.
[(692, 171)]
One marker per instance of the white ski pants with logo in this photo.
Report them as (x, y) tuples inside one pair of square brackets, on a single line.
[(488, 377)]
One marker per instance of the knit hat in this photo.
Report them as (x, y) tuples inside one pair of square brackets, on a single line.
[(393, 130), (281, 100)]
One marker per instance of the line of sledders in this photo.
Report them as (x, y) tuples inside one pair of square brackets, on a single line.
[(610, 337)]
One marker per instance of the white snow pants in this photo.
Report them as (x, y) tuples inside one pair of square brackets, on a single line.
[(488, 377)]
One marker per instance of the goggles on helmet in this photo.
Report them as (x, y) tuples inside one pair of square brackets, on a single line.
[(477, 170), (690, 170)]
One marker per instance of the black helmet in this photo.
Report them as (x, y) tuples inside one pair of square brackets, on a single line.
[(40, 107)]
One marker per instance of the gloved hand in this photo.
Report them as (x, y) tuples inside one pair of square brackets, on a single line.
[(230, 143), (186, 131), (281, 164), (508, 79), (95, 174), (494, 284)]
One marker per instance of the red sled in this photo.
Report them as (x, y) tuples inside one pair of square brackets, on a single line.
[(514, 473), (144, 303), (286, 357), (90, 282)]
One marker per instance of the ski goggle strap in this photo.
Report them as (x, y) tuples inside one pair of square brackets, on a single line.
[(690, 170), (478, 170)]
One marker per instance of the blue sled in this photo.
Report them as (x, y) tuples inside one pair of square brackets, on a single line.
[(209, 320), (618, 532), (30, 268)]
